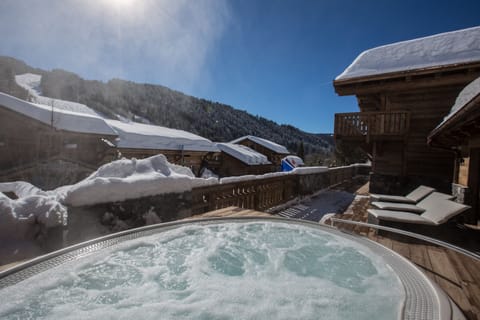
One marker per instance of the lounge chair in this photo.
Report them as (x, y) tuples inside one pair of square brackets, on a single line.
[(413, 197), (437, 212), (420, 207)]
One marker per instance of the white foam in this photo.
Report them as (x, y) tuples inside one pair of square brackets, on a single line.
[(242, 271)]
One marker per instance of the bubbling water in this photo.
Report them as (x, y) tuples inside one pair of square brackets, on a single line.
[(256, 270)]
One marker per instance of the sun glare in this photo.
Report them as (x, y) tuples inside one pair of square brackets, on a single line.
[(121, 4)]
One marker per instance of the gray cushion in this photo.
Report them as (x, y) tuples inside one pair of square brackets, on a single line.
[(440, 211), (398, 206), (389, 198), (398, 216), (419, 193), (413, 197)]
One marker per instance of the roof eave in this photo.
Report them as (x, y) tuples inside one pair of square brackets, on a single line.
[(435, 134), (342, 85)]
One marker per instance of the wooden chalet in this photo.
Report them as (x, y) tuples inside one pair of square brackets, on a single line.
[(404, 90), (459, 133), (138, 140), (36, 139), (274, 152), (239, 160)]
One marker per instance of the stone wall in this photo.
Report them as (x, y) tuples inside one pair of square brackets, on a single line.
[(86, 223)]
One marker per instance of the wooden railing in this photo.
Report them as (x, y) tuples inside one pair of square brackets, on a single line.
[(264, 193), (258, 194), (369, 124)]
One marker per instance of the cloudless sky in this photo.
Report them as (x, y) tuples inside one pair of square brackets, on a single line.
[(273, 58)]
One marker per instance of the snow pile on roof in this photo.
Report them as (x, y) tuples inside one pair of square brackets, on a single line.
[(61, 120), (31, 82), (21, 218), (449, 48), (470, 92), (243, 153), (144, 136), (264, 142), (130, 179)]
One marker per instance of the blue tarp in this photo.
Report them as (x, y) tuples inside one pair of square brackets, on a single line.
[(291, 162)]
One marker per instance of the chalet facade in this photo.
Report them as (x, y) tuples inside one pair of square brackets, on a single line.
[(404, 90), (274, 152), (239, 160), (459, 132), (36, 139), (138, 140)]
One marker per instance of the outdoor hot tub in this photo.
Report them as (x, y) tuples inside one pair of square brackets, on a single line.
[(243, 268)]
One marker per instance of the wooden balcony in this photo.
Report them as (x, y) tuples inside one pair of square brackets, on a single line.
[(372, 125)]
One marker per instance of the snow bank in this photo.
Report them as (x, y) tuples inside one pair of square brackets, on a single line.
[(243, 153), (129, 179), (462, 46), (144, 136), (264, 142), (21, 189), (31, 83), (22, 218), (61, 120)]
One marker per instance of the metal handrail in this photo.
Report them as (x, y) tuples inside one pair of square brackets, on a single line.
[(412, 235)]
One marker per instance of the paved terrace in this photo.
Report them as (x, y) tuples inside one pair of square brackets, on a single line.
[(456, 274)]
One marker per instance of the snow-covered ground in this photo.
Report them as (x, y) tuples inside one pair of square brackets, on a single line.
[(24, 222), (31, 83)]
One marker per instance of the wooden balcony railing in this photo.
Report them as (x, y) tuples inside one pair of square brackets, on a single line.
[(264, 193), (257, 194), (372, 124)]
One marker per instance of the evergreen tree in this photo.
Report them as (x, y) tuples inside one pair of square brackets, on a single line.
[(301, 150)]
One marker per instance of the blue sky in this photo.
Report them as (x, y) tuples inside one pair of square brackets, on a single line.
[(273, 58)]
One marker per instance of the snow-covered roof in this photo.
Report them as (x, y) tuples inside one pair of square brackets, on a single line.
[(144, 136), (31, 83), (264, 142), (456, 47), (61, 120), (243, 153), (470, 92)]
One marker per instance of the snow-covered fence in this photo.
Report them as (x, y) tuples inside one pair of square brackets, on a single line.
[(264, 193)]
